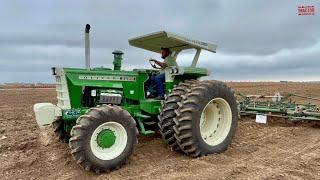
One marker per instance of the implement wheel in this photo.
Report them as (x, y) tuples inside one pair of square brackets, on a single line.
[(103, 139), (206, 119)]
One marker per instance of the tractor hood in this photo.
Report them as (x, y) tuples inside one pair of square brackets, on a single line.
[(162, 39)]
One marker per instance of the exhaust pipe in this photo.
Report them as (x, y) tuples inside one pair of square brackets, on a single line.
[(87, 46)]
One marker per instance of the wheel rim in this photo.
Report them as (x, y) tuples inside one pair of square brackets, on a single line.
[(215, 121), (108, 140)]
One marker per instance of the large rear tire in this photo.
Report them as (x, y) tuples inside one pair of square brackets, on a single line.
[(206, 119), (167, 113), (103, 139)]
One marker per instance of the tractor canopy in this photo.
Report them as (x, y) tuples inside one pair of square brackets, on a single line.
[(163, 39)]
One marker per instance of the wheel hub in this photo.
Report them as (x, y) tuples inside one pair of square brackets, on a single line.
[(106, 138)]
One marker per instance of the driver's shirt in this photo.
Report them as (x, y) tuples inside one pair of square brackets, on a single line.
[(170, 61)]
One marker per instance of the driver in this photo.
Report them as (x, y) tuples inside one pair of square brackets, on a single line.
[(160, 79)]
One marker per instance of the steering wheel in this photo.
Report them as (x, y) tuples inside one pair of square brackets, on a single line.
[(154, 64)]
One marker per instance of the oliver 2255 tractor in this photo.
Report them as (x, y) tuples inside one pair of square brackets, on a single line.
[(100, 111)]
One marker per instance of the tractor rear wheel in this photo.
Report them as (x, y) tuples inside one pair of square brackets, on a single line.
[(103, 139), (167, 113), (206, 119)]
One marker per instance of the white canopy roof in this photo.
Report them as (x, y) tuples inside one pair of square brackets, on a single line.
[(162, 39)]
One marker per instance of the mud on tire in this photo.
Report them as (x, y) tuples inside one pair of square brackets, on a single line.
[(206, 119), (81, 141)]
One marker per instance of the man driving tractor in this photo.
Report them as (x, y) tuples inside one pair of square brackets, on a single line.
[(160, 79)]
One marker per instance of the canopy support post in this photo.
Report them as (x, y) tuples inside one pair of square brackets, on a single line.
[(196, 57)]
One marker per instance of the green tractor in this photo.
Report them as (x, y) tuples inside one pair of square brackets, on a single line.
[(101, 111)]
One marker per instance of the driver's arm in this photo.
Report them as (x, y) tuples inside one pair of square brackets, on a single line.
[(159, 63)]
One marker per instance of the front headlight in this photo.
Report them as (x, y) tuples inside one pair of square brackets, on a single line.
[(174, 70)]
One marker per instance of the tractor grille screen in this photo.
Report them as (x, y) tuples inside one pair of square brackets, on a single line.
[(62, 90), (108, 98)]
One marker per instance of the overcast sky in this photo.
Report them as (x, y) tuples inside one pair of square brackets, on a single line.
[(257, 40)]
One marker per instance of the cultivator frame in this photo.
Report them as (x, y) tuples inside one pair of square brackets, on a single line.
[(279, 106)]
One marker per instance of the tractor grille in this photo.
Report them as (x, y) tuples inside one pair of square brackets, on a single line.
[(62, 90), (108, 98)]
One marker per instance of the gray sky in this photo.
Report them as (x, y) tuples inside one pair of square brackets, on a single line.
[(257, 40)]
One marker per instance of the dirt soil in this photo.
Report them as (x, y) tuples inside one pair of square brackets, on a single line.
[(277, 150)]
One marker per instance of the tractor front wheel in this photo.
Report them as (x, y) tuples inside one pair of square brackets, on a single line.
[(103, 139), (57, 126)]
